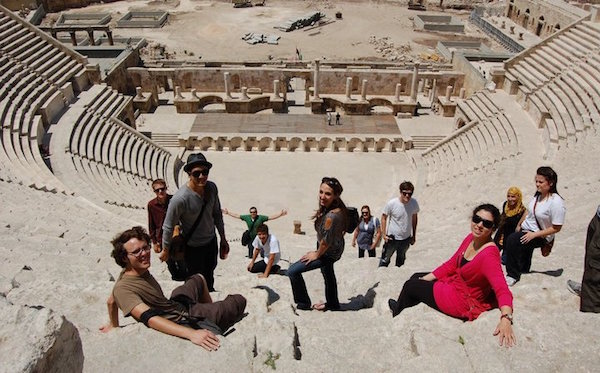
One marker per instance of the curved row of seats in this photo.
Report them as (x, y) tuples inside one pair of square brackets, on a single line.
[(295, 143), (106, 160), (32, 73), (92, 153), (487, 137), (561, 79)]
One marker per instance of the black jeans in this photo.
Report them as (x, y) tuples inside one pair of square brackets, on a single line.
[(299, 286), (518, 255), (417, 291), (260, 266), (361, 253), (394, 246), (203, 260)]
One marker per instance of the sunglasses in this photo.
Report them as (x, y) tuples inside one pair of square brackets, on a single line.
[(160, 190), (331, 181), (197, 173), (407, 193), (476, 219), (365, 212)]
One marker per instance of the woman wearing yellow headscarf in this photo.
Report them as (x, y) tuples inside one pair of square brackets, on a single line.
[(512, 210)]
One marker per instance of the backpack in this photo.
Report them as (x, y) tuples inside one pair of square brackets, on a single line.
[(352, 219)]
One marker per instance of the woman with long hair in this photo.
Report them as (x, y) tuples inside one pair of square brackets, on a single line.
[(544, 218), (330, 225), (469, 283)]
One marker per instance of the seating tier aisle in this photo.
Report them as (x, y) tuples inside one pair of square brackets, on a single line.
[(490, 136)]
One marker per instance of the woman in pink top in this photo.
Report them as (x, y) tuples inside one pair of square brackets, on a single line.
[(469, 283)]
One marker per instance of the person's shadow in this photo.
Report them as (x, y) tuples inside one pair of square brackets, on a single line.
[(272, 295), (553, 272), (361, 301)]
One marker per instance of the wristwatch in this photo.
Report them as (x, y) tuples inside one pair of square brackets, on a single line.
[(507, 316)]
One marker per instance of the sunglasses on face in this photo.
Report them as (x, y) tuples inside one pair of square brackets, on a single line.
[(476, 219), (253, 212), (160, 190), (197, 173), (137, 253), (407, 193), (365, 212)]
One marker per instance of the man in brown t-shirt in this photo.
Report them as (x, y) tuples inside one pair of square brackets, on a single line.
[(138, 294)]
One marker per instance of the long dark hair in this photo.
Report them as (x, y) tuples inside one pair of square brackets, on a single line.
[(337, 188), (550, 175), (492, 210)]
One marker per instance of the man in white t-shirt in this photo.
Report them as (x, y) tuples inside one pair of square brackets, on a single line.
[(268, 246), (399, 225)]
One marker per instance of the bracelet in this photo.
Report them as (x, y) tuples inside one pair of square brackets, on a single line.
[(507, 316)]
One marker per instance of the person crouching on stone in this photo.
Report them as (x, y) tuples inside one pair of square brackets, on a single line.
[(469, 283), (267, 245), (190, 313)]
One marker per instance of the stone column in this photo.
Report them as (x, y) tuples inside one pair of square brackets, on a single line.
[(462, 94), (433, 92), (448, 93), (138, 93), (73, 38), (316, 80), (178, 95), (363, 90), (276, 88), (414, 83), (91, 36), (245, 93), (398, 90), (348, 88), (226, 77)]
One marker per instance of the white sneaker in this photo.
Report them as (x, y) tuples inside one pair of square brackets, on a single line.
[(574, 287), (510, 281)]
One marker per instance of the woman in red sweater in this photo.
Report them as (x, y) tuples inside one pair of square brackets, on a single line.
[(469, 283)]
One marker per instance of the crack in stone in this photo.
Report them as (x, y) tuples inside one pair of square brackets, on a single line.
[(296, 344)]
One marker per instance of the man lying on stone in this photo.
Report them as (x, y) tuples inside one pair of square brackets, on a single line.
[(190, 312)]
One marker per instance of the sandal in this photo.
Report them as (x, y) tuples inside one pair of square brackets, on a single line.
[(324, 307)]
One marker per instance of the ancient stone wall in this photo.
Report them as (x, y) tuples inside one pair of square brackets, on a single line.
[(331, 81), (59, 5), (543, 17)]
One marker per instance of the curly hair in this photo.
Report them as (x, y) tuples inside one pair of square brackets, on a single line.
[(118, 243)]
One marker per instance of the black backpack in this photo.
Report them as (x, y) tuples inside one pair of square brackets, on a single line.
[(352, 219)]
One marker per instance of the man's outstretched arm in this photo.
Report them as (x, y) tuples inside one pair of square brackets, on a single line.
[(280, 214), (201, 337)]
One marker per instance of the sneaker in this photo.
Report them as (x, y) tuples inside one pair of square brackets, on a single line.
[(574, 287), (510, 281)]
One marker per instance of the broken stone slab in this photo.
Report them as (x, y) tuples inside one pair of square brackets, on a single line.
[(255, 38), (36, 339), (308, 19)]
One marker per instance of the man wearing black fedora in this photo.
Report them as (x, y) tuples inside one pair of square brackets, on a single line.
[(197, 204)]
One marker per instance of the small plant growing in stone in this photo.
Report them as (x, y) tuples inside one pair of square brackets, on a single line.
[(461, 340), (271, 358)]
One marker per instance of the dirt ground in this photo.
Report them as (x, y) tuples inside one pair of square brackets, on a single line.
[(212, 30)]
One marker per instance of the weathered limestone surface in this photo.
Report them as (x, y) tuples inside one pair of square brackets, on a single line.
[(36, 339)]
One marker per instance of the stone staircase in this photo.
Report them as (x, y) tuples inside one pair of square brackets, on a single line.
[(166, 140), (424, 142)]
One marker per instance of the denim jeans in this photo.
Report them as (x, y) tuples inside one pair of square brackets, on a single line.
[(399, 247), (301, 297)]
